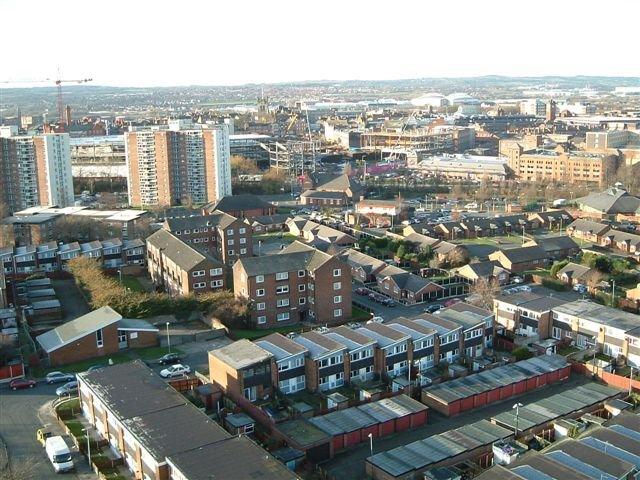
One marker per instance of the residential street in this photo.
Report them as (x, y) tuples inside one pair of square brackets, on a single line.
[(20, 417)]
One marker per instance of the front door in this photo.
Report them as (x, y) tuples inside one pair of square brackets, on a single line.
[(122, 339)]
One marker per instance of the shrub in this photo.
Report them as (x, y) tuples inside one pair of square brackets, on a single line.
[(521, 353)]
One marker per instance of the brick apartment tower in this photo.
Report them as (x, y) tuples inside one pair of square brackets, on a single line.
[(179, 165), (35, 170)]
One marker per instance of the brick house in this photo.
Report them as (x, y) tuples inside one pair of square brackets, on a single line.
[(240, 206), (325, 366), (526, 314), (391, 355), (288, 367), (31, 230), (364, 268), (181, 269), (551, 219), (218, 234), (406, 287), (557, 247), (298, 284), (519, 259), (242, 369), (359, 359), (99, 333), (423, 340), (588, 230)]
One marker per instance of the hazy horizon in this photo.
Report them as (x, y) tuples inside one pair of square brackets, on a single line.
[(199, 43)]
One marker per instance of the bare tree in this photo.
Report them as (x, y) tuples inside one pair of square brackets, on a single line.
[(483, 292), (70, 229)]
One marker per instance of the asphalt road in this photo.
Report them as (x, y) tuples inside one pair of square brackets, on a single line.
[(19, 420), (350, 464)]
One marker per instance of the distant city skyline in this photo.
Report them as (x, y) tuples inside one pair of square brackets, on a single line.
[(145, 43)]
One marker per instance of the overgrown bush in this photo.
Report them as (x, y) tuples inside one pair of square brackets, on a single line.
[(102, 290)]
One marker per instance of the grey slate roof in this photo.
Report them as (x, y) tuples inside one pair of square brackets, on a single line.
[(588, 226), (297, 256), (215, 219), (574, 270), (232, 203), (182, 254), (612, 200), (78, 328), (524, 254)]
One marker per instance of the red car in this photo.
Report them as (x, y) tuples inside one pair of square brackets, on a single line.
[(21, 383)]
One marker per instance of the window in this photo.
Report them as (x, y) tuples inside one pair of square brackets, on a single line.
[(336, 272), (214, 272), (259, 278), (230, 231), (262, 319), (337, 312), (283, 316), (242, 231), (337, 299), (230, 241), (282, 302), (301, 273), (243, 251), (282, 289), (199, 285), (302, 288), (425, 343), (302, 301), (99, 339), (260, 292), (230, 252), (198, 273), (337, 285), (187, 232), (122, 336), (243, 241), (216, 283), (260, 306), (282, 275)]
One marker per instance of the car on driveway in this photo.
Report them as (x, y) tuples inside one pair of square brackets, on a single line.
[(20, 383), (434, 307), (67, 389), (177, 370), (361, 291), (59, 377), (169, 359)]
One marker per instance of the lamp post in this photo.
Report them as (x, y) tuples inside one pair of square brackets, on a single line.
[(371, 443), (120, 275), (517, 409), (86, 431), (613, 294), (168, 338)]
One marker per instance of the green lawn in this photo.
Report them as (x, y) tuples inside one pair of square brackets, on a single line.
[(133, 284), (254, 334), (358, 314), (153, 353)]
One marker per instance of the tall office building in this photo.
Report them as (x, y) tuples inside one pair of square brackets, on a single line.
[(178, 164), (35, 170)]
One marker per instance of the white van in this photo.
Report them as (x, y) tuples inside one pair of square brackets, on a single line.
[(59, 454)]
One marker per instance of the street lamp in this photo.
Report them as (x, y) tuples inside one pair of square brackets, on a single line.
[(86, 431), (517, 409), (371, 443), (613, 293), (168, 338), (120, 276)]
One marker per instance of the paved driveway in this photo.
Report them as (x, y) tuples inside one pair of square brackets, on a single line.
[(21, 414)]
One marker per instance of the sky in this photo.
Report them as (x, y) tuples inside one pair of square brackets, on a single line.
[(216, 42)]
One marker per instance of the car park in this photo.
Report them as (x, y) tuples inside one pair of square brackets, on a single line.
[(67, 389), (20, 383), (59, 377), (177, 370)]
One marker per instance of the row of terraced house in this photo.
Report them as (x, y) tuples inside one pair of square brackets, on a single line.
[(328, 358), (53, 257)]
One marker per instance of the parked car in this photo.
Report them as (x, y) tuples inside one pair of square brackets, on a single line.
[(69, 388), (93, 368), (517, 279), (434, 307), (580, 288), (20, 383), (361, 291), (59, 377), (59, 454), (177, 370), (451, 301), (169, 359), (387, 302)]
